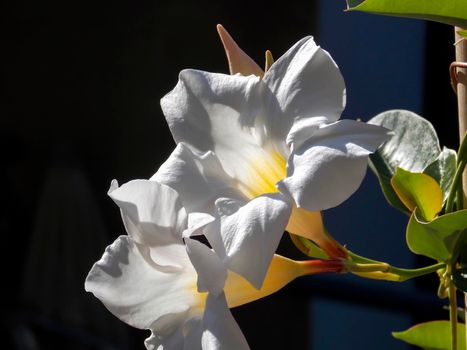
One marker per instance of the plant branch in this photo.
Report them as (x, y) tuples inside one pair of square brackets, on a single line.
[(461, 74), (461, 88), (452, 310)]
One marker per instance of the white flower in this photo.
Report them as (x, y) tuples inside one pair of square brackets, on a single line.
[(182, 293), (273, 146)]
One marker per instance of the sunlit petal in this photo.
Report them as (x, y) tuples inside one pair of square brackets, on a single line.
[(138, 291), (250, 233), (331, 164), (305, 82), (210, 110), (152, 212), (219, 113), (196, 223)]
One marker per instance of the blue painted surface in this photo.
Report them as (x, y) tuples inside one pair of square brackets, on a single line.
[(381, 59), (355, 328)]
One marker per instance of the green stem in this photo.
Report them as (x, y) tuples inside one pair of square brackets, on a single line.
[(455, 186), (402, 274), (361, 259), (407, 274)]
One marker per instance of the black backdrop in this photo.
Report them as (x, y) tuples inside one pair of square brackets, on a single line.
[(81, 85)]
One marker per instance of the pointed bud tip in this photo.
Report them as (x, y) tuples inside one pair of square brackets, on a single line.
[(223, 34), (239, 61), (269, 60)]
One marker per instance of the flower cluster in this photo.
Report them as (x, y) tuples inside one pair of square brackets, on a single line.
[(258, 153)]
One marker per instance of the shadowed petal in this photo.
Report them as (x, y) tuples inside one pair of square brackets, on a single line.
[(169, 334), (197, 177), (211, 272)]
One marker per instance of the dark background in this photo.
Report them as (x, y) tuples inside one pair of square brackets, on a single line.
[(81, 85)]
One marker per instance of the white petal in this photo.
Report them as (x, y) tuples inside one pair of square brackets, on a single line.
[(204, 107), (193, 332), (171, 340), (221, 332), (365, 137), (304, 82), (138, 291), (215, 330), (198, 178), (196, 223), (303, 129), (169, 255), (220, 113), (211, 272), (152, 212), (331, 164), (249, 234)]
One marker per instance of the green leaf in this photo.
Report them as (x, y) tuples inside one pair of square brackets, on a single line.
[(443, 170), (436, 239), (384, 173), (418, 190), (413, 147), (452, 12), (434, 335), (462, 33)]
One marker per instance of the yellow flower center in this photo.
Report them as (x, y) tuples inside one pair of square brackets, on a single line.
[(265, 171)]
